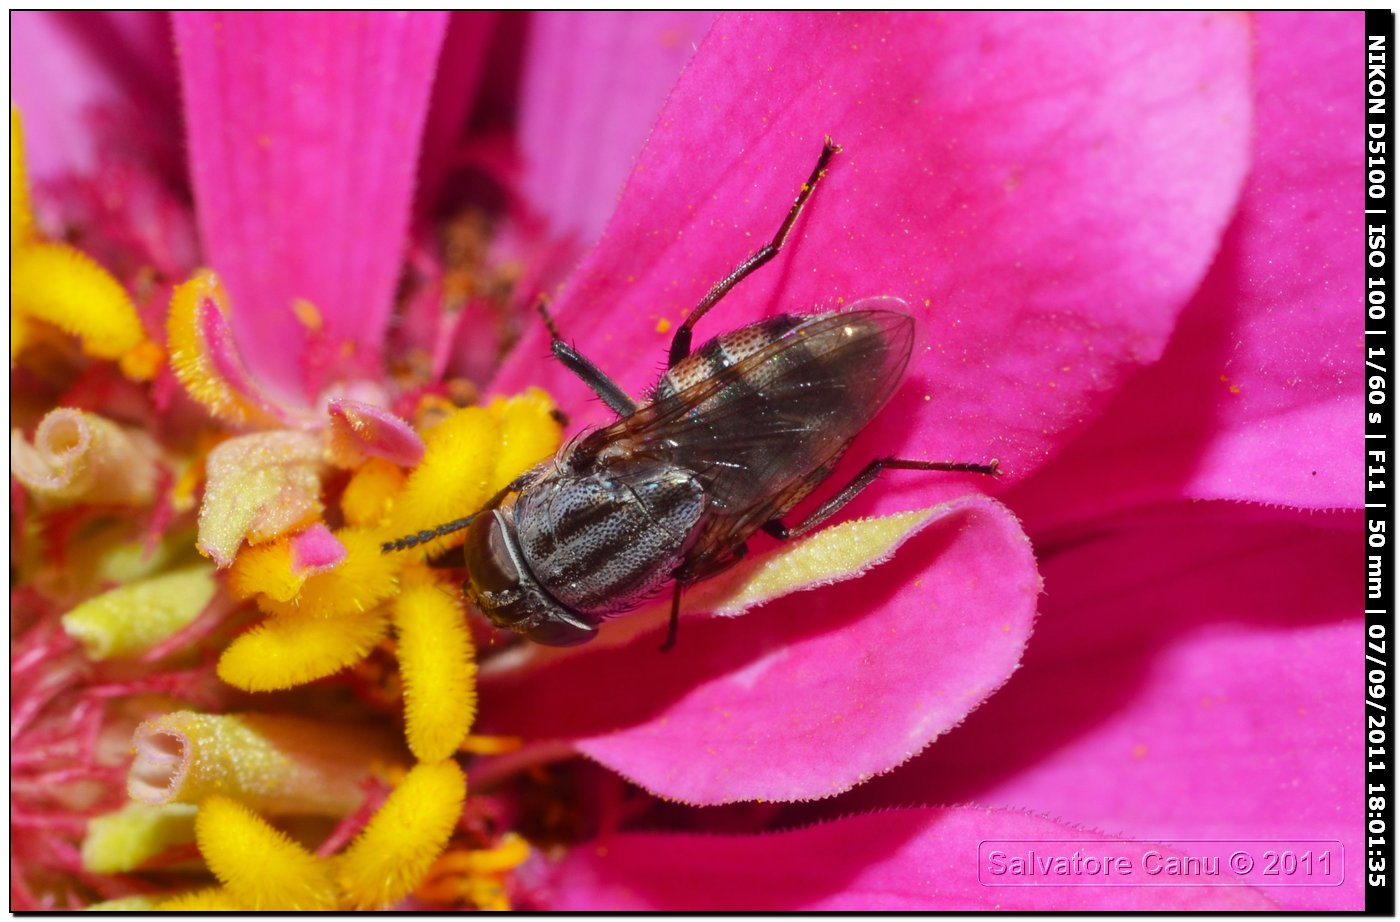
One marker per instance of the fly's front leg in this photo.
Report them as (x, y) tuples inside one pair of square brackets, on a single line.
[(590, 374), (674, 625), (864, 479), (683, 578), (680, 343)]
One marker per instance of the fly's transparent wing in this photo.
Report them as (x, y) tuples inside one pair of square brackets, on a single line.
[(760, 433)]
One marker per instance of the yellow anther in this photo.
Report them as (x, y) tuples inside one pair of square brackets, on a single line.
[(291, 650)]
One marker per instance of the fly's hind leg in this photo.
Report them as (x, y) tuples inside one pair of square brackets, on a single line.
[(864, 479), (590, 374), (680, 343)]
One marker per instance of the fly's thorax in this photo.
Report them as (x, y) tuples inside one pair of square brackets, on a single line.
[(603, 541), (500, 584)]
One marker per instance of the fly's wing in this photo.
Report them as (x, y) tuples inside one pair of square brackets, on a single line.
[(761, 432)]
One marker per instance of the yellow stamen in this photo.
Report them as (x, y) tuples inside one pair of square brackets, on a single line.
[(62, 287), (21, 218), (66, 289), (401, 842), (307, 314), (437, 662), (189, 353), (475, 876), (210, 899), (123, 841), (366, 577), (455, 476), (259, 486), (260, 866), (508, 854), (369, 496), (471, 455), (274, 763), (478, 745), (266, 568), (82, 457), (529, 433), (133, 618), (290, 650)]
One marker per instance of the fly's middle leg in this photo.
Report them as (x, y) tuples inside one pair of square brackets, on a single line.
[(864, 479), (680, 343), (590, 374)]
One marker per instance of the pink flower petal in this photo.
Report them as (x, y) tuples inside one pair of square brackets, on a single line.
[(1045, 241), (71, 67), (592, 87), (1194, 675), (303, 131), (1255, 398), (810, 694), (315, 551), (897, 860), (362, 429)]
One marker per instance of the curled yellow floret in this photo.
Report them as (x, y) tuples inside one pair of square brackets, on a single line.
[(125, 839), (125, 904), (438, 666), (191, 355), (260, 866), (399, 845), (259, 487), (133, 618), (273, 763), (80, 457)]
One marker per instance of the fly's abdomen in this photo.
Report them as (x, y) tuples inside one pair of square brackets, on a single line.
[(602, 544), (724, 352)]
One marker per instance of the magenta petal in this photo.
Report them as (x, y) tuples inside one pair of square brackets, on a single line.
[(1193, 675), (1045, 241), (1252, 399), (808, 695), (592, 88), (315, 550), (303, 131), (373, 431), (70, 67), (914, 859)]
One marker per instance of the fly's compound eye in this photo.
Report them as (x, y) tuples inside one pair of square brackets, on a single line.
[(510, 601), (489, 564)]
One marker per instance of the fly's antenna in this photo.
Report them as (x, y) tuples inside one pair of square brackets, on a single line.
[(447, 528), (428, 534)]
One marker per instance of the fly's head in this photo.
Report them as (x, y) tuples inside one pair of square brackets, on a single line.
[(500, 584)]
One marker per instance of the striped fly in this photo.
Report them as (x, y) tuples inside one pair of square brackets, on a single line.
[(734, 435)]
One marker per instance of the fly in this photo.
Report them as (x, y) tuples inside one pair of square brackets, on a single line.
[(734, 435)]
